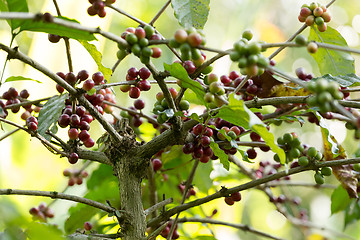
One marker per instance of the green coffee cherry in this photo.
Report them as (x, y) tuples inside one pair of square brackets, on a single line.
[(312, 152), (356, 167), (303, 161), (247, 35), (319, 179), (326, 171), (301, 40)]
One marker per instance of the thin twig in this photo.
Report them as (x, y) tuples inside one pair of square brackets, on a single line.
[(54, 194), (243, 227), (187, 187), (9, 134), (158, 205), (160, 12)]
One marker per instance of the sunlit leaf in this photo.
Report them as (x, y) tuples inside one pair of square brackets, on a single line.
[(50, 113), (191, 13), (20, 78), (179, 72), (14, 6), (348, 80), (97, 56), (37, 230), (237, 113), (41, 26), (331, 61)]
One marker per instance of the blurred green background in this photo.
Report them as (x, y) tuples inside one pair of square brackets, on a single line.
[(26, 164)]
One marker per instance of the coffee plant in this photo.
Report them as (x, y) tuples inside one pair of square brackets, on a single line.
[(180, 134)]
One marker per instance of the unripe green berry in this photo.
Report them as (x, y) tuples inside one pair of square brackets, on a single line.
[(303, 161), (184, 105), (356, 167), (326, 171), (288, 137), (301, 40), (312, 152), (247, 35), (319, 21), (319, 179), (131, 38)]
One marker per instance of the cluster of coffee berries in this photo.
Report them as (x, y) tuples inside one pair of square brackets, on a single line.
[(232, 198), (41, 213), (226, 131), (319, 175), (326, 92), (291, 145), (13, 97), (138, 43), (88, 226), (75, 176), (248, 56), (215, 90), (79, 122), (31, 123), (132, 113), (162, 109), (187, 40), (191, 191), (200, 146), (266, 169), (315, 13), (98, 7), (141, 83), (301, 74), (165, 232), (311, 155)]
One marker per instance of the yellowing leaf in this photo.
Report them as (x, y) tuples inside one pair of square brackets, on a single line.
[(290, 89), (344, 173)]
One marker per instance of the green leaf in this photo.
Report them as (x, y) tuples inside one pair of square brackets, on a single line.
[(37, 230), (4, 8), (331, 61), (15, 6), (237, 113), (224, 158), (179, 72), (352, 212), (104, 172), (191, 13), (202, 177), (105, 190), (348, 80), (50, 113), (174, 158), (20, 78), (97, 56), (340, 200), (40, 26)]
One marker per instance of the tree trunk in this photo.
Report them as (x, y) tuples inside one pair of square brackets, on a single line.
[(130, 195)]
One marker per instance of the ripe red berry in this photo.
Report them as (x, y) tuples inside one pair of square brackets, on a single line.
[(189, 67), (251, 153), (98, 77), (70, 78), (139, 104), (73, 133), (144, 73), (64, 120), (87, 226), (132, 72), (197, 129), (194, 39), (74, 120), (32, 119), (73, 158), (54, 38), (229, 201), (205, 141), (173, 92), (83, 75), (59, 88), (252, 89), (157, 164), (89, 143), (236, 196), (140, 32), (24, 94), (156, 52), (84, 135), (144, 85), (204, 159), (188, 148), (134, 92), (255, 137)]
